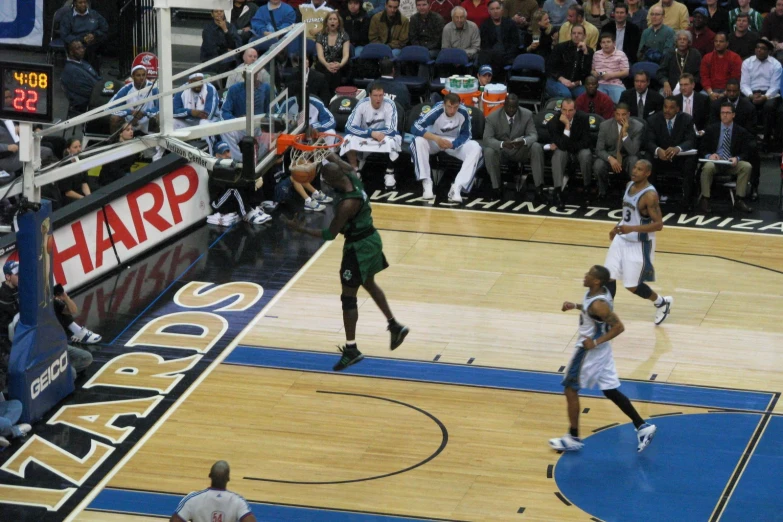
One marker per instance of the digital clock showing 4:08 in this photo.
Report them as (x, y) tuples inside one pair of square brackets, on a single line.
[(27, 92)]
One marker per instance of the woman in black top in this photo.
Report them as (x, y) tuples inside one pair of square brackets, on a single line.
[(75, 187), (538, 38)]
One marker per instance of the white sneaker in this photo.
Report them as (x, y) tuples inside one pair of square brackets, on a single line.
[(454, 194), (645, 434), (4, 442), (389, 182), (320, 197), (85, 336), (214, 219), (257, 216), (566, 443), (312, 205), (663, 311), (426, 184), (268, 205), (226, 220), (22, 429)]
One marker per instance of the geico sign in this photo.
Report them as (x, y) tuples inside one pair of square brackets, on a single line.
[(130, 224), (48, 376)]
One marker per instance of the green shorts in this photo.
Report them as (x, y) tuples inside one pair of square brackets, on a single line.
[(361, 260)]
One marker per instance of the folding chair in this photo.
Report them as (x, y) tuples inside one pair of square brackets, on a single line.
[(527, 79)]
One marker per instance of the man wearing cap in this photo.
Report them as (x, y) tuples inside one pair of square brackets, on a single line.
[(761, 76), (703, 37), (484, 76), (197, 105), (138, 116)]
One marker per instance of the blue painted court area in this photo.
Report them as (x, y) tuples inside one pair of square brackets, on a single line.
[(679, 477), (164, 505), (758, 493), (507, 379)]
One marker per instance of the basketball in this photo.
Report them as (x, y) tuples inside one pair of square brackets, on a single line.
[(303, 173)]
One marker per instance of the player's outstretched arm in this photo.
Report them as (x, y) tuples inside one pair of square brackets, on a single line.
[(602, 312), (334, 158)]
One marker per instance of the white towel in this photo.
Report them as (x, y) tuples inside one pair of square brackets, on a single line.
[(390, 145)]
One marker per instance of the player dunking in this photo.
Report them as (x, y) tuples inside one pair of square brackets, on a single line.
[(632, 251), (362, 254), (592, 363)]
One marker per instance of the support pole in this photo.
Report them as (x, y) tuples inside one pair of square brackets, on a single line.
[(164, 70)]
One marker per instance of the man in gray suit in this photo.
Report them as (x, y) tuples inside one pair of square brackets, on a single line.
[(509, 134), (619, 140)]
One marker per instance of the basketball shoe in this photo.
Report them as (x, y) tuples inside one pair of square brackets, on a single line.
[(312, 205), (351, 355), (566, 443), (320, 197), (662, 312), (398, 333), (645, 434), (427, 193), (85, 336)]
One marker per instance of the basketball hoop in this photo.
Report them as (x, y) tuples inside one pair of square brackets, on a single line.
[(306, 154)]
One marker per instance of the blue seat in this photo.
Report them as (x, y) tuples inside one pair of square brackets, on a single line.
[(448, 62), (367, 70), (527, 79), (56, 44), (419, 56)]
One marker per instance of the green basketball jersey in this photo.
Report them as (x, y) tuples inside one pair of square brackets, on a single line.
[(362, 221)]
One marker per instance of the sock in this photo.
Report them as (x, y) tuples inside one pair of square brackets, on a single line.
[(659, 301), (74, 328), (393, 323), (350, 344), (622, 402), (574, 432), (612, 286)]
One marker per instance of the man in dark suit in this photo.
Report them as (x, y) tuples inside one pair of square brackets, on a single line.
[(744, 111), (642, 97), (510, 135), (499, 38), (728, 142), (619, 141), (670, 133), (631, 34), (694, 103), (570, 135)]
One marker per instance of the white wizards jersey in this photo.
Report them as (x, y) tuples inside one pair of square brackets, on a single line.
[(589, 327), (456, 127), (365, 119), (632, 216)]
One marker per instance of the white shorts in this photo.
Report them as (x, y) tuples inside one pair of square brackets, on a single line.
[(631, 261), (592, 369)]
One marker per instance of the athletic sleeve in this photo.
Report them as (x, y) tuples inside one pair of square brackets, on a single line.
[(465, 132), (426, 120), (241, 507), (391, 123), (179, 107), (354, 120), (121, 94), (325, 118)]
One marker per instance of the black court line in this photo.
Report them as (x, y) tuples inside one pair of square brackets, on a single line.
[(521, 510), (444, 441), (607, 426), (549, 470), (562, 498), (516, 240), (586, 410), (672, 413), (470, 361), (653, 376), (561, 369), (754, 441), (437, 357)]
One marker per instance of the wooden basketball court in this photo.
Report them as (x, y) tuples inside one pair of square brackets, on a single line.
[(454, 424)]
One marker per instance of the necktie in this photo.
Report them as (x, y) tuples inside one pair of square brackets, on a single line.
[(670, 125), (688, 106), (619, 155), (725, 145), (641, 107), (510, 122)]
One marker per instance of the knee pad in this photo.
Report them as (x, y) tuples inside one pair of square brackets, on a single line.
[(349, 302), (643, 291)]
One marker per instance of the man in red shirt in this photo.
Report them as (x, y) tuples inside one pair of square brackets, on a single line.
[(477, 10), (703, 37), (719, 66), (443, 7), (594, 101)]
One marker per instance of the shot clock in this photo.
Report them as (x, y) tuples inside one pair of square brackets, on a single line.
[(27, 92)]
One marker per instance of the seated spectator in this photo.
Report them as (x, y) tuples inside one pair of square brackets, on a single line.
[(656, 39), (669, 133), (238, 199), (594, 101), (236, 507), (461, 33), (702, 36), (576, 16), (755, 19), (617, 150), (78, 78), (569, 65), (334, 50), (509, 135), (743, 41), (393, 90), (484, 76), (744, 111), (683, 58), (197, 106), (443, 7), (726, 142), (570, 141), (10, 165), (596, 12), (674, 15), (217, 38), (446, 127), (313, 15), (235, 106), (610, 66), (772, 29), (643, 101), (249, 56), (120, 168), (477, 11), (695, 104), (718, 67), (87, 26), (10, 413), (761, 77), (138, 116), (538, 37), (637, 14), (242, 13), (520, 12), (390, 27), (499, 39), (356, 23), (74, 188), (426, 28), (373, 118), (558, 10), (65, 310), (272, 17), (717, 17), (626, 35)]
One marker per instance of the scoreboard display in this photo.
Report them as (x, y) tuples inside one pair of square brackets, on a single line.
[(27, 92)]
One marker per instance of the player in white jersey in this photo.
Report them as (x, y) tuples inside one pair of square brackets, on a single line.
[(446, 127), (372, 127), (592, 364), (215, 503), (139, 88), (632, 251)]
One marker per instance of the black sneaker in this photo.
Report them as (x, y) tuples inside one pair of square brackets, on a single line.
[(350, 356), (398, 333)]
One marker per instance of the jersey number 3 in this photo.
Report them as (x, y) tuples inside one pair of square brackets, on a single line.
[(627, 215)]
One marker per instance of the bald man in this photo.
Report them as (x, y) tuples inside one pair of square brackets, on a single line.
[(215, 502)]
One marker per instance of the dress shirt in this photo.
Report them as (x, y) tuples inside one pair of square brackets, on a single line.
[(760, 76)]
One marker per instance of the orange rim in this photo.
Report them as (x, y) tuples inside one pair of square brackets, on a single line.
[(297, 141)]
